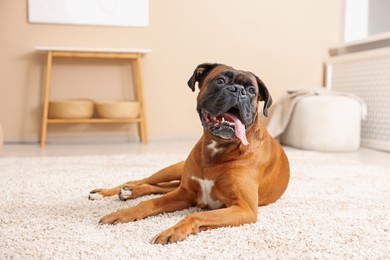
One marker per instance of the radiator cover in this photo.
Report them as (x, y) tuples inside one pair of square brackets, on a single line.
[(366, 74)]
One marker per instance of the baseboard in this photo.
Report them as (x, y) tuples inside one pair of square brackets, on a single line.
[(93, 139)]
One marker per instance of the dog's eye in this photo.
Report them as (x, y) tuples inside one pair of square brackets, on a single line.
[(220, 81), (251, 90)]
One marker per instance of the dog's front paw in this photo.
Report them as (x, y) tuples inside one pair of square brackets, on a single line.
[(113, 218), (100, 193), (121, 216), (174, 234), (125, 193), (95, 194)]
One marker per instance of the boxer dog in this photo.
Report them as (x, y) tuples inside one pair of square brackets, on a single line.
[(235, 167)]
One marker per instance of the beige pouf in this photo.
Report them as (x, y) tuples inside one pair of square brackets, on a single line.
[(324, 123)]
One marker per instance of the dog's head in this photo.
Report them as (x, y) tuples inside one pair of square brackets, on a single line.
[(228, 99)]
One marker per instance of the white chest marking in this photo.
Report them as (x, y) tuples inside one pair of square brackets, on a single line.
[(213, 148), (206, 187)]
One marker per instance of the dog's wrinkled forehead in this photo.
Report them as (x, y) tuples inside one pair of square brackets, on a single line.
[(236, 77), (220, 70), (205, 72)]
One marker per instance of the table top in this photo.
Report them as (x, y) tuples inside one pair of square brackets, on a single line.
[(76, 49)]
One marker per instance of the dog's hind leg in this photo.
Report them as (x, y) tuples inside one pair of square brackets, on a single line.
[(178, 199), (161, 182), (128, 192)]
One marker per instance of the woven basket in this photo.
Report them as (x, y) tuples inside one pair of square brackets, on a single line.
[(71, 109), (117, 109)]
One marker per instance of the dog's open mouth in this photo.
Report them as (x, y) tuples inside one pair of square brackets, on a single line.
[(230, 119)]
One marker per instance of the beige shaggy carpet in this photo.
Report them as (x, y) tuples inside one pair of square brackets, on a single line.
[(332, 209)]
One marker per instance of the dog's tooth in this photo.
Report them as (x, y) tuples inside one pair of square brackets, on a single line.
[(223, 120)]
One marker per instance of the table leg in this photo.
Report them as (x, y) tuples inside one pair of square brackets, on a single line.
[(45, 111), (139, 87)]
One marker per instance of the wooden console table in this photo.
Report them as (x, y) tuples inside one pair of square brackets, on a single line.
[(133, 55)]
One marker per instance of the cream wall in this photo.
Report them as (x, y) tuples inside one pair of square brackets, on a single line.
[(283, 42)]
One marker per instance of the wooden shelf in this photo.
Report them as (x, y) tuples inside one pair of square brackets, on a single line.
[(93, 120), (132, 55)]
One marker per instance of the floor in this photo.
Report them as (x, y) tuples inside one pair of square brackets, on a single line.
[(162, 146)]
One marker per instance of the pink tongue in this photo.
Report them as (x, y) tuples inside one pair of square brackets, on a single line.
[(239, 128)]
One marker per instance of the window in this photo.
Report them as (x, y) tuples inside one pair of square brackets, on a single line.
[(364, 18)]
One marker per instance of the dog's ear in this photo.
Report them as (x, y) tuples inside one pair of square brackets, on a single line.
[(264, 95), (200, 73)]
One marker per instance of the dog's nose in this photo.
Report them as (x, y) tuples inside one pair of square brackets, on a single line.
[(240, 90)]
